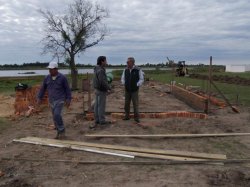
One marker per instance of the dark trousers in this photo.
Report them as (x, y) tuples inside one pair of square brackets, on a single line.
[(135, 100)]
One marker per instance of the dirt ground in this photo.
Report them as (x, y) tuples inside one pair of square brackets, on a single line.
[(153, 98), (6, 108)]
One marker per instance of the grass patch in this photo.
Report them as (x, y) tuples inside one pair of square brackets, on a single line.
[(117, 74), (7, 85), (236, 94), (245, 75)]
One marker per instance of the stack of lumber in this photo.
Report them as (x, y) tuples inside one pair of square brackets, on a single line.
[(125, 151)]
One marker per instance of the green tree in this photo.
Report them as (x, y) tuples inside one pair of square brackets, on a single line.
[(71, 33)]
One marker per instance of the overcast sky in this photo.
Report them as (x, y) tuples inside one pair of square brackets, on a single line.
[(190, 30)]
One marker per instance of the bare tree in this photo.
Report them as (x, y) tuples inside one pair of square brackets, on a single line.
[(72, 32)]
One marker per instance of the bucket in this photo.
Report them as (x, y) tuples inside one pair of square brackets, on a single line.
[(110, 77)]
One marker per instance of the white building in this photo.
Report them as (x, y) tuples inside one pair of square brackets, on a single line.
[(237, 68)]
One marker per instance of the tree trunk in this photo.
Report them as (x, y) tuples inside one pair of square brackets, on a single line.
[(74, 76), (74, 73)]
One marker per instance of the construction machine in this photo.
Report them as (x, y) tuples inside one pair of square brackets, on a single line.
[(181, 69)]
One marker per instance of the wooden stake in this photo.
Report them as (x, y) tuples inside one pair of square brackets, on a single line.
[(164, 135), (89, 95), (209, 87)]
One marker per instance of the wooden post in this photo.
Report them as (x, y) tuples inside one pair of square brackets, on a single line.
[(83, 103), (86, 88), (209, 85), (89, 94)]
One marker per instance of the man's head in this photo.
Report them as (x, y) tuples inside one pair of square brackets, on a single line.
[(101, 61), (53, 68), (130, 62)]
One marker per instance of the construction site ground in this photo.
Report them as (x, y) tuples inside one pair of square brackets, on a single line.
[(154, 97)]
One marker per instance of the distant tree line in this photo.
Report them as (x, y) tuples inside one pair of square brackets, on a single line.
[(41, 65), (33, 65), (38, 65)]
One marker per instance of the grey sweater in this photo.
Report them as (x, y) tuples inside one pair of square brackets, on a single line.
[(100, 81)]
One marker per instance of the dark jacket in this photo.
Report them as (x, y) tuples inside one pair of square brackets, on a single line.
[(100, 81), (131, 79), (58, 89)]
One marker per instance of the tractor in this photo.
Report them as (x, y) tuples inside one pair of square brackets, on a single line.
[(181, 69)]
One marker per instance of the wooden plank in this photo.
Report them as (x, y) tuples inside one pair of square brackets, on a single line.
[(133, 149), (170, 162), (164, 135), (129, 154), (80, 148), (137, 149)]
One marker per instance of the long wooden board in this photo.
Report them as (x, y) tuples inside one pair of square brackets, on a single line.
[(171, 162), (127, 154), (80, 148), (129, 148), (165, 135)]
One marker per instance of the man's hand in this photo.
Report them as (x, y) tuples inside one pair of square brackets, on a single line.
[(110, 92)]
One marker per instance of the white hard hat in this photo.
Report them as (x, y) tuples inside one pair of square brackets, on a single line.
[(53, 65)]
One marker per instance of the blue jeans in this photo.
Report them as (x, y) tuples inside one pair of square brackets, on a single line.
[(100, 104), (56, 108)]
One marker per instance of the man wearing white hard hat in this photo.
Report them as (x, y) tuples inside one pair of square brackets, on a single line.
[(59, 93), (53, 65)]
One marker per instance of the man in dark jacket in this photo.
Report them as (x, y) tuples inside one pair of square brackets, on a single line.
[(102, 88), (132, 78), (59, 93)]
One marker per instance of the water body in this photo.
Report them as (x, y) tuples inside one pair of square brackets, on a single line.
[(26, 73)]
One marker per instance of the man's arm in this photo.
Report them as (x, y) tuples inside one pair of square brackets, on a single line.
[(141, 78), (123, 77)]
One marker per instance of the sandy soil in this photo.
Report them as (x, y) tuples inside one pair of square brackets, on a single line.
[(27, 173), (7, 105)]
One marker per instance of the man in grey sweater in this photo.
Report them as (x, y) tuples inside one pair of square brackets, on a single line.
[(102, 88)]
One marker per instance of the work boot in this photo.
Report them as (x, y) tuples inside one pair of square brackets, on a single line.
[(60, 135), (126, 118), (105, 123), (93, 125), (137, 120)]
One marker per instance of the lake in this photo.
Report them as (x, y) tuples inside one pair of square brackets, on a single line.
[(26, 73)]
